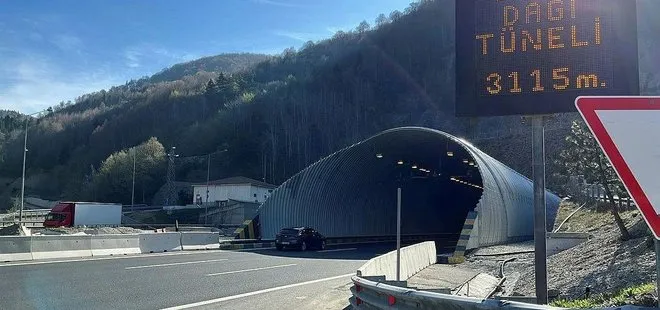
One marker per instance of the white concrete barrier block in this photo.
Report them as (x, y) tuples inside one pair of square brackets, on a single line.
[(62, 246), (119, 244), (160, 242), (414, 258), (200, 241), (15, 248)]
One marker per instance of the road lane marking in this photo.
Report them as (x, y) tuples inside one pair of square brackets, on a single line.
[(177, 264), (268, 290), (248, 270), (92, 259), (336, 250)]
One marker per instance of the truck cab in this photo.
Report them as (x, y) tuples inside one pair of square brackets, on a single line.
[(60, 215)]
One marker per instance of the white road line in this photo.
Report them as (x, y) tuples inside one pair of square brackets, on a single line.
[(248, 270), (176, 264), (92, 259), (336, 250), (272, 289)]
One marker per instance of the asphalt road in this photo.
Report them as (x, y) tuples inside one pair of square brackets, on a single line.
[(259, 279)]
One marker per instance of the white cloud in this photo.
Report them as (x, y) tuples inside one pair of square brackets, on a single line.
[(268, 51), (35, 36), (36, 84), (68, 43), (132, 58), (299, 36), (156, 55), (334, 29)]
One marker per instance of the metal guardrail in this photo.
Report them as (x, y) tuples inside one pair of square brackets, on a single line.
[(35, 216), (28, 224), (367, 294), (374, 295)]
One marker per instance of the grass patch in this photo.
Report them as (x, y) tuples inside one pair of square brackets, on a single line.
[(619, 298), (589, 218)]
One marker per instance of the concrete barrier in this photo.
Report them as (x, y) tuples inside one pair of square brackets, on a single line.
[(199, 241), (557, 242), (44, 247), (15, 248), (119, 244), (160, 242), (413, 259)]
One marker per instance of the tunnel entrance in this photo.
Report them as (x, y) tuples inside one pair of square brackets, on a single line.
[(439, 180), (353, 192)]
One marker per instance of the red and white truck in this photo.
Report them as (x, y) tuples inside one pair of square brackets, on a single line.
[(71, 214)]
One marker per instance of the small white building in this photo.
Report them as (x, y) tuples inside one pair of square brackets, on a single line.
[(234, 188)]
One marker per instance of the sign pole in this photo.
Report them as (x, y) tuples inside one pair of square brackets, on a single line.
[(538, 176), (657, 269), (398, 234)]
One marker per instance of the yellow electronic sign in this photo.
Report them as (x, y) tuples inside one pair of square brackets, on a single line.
[(534, 57)]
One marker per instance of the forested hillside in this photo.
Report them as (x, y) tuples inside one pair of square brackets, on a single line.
[(278, 116), (9, 122), (228, 63)]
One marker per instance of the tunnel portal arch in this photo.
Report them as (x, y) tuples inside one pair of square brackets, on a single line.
[(352, 192)]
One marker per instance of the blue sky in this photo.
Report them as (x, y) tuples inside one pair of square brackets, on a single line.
[(54, 50)]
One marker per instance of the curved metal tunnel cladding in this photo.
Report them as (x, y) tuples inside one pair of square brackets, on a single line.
[(353, 193)]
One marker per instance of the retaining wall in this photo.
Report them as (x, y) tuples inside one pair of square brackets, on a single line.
[(557, 242)]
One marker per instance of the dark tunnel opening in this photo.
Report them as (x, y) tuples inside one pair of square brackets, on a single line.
[(439, 180)]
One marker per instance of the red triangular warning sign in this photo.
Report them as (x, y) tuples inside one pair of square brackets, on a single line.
[(628, 131)]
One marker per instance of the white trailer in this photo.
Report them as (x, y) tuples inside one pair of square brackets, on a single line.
[(97, 214)]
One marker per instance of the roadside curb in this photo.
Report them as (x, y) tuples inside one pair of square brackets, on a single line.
[(241, 246)]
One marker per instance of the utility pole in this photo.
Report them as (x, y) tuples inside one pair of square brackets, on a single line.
[(171, 195), (20, 212), (208, 178), (25, 149), (133, 186)]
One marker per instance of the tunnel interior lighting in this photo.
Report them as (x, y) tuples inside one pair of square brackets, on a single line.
[(465, 183), (465, 161), (414, 166), (379, 155), (450, 153), (400, 162)]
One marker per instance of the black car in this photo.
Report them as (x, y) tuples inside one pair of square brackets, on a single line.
[(302, 238)]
